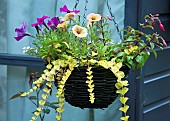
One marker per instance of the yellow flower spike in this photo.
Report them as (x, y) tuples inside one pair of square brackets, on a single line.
[(92, 61), (39, 109), (57, 67), (53, 71), (42, 102), (49, 66), (89, 77), (36, 113), (89, 68), (124, 118), (114, 69), (119, 65), (34, 118), (58, 117), (124, 83), (122, 91), (61, 99), (113, 60), (50, 78), (120, 74), (43, 76), (24, 94), (123, 100), (31, 90), (44, 96), (89, 81), (46, 90), (61, 104), (60, 110), (127, 51), (89, 72), (104, 64), (118, 85), (38, 85), (124, 109), (93, 54), (90, 85), (49, 84), (90, 90)]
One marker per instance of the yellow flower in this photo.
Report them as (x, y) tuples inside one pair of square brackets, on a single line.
[(68, 16), (62, 25), (58, 117), (79, 31), (92, 17)]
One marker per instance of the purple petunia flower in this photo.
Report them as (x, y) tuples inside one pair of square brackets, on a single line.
[(21, 32), (53, 22), (65, 9), (40, 21)]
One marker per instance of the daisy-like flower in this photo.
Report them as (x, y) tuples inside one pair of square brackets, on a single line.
[(79, 31), (92, 17), (68, 16)]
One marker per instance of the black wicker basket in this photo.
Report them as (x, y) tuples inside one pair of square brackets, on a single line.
[(76, 87)]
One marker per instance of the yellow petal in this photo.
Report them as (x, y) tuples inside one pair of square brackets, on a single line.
[(124, 118), (118, 85), (89, 72), (123, 100), (92, 61), (37, 113), (42, 102), (60, 110), (49, 66), (58, 117), (90, 90), (39, 109), (89, 77), (44, 96), (124, 109)]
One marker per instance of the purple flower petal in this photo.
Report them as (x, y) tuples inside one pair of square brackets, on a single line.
[(65, 9), (53, 22), (21, 32), (40, 21)]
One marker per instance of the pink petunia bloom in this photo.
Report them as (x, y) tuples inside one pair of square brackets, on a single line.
[(53, 22), (65, 9), (40, 21), (21, 32)]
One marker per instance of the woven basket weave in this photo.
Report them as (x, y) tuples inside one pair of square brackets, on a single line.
[(76, 87)]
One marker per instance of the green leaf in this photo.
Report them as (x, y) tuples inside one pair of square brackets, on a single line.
[(120, 54), (47, 111), (32, 98), (15, 96)]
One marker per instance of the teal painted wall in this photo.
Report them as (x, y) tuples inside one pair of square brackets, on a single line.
[(19, 11)]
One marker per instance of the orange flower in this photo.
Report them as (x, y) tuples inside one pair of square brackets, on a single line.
[(92, 17), (79, 31)]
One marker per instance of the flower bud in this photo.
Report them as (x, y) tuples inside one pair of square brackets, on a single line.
[(153, 24), (164, 43), (161, 26)]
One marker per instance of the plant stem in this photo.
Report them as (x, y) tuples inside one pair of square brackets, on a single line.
[(91, 114)]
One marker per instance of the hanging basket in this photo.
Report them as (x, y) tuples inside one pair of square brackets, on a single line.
[(104, 80)]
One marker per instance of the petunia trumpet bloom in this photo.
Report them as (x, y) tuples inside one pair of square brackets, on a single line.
[(92, 17), (53, 22), (21, 32), (40, 21), (79, 31), (65, 9)]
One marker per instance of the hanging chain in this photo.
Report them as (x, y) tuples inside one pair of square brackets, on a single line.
[(85, 10), (113, 19), (75, 6)]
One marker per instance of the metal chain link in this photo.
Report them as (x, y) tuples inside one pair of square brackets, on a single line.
[(85, 10), (75, 6), (113, 19)]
